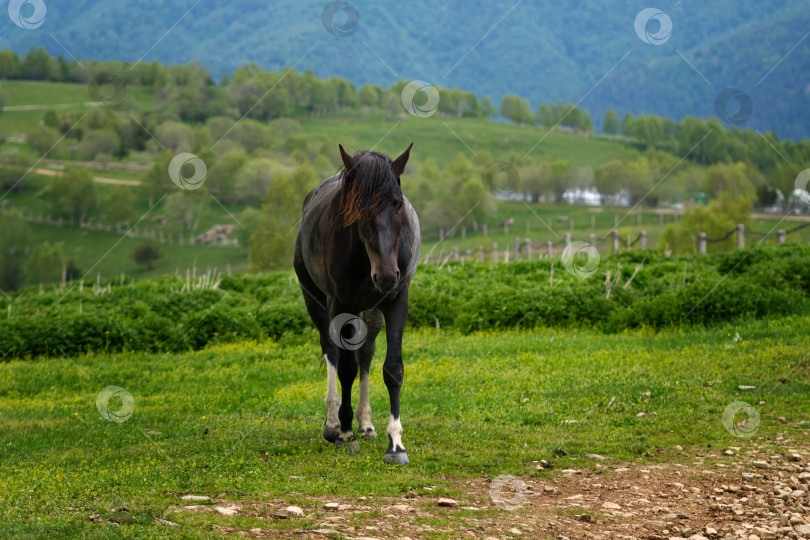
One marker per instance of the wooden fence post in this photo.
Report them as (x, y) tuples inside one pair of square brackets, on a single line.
[(592, 239), (780, 236), (740, 236), (480, 253), (517, 248), (643, 241), (455, 254), (494, 252), (702, 243), (593, 221), (550, 248), (615, 235), (567, 238), (528, 249)]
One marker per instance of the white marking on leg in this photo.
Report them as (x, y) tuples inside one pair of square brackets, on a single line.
[(395, 433), (363, 406), (332, 396)]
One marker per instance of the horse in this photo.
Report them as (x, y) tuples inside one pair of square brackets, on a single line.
[(356, 251)]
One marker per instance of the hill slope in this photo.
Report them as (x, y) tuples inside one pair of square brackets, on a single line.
[(541, 50)]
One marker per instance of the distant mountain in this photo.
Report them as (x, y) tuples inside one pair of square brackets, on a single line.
[(577, 50)]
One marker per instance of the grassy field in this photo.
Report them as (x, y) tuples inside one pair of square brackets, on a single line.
[(438, 138), (242, 422)]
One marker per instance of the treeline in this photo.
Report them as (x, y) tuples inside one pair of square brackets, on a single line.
[(194, 95)]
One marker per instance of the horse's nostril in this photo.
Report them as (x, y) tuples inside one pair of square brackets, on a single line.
[(397, 275)]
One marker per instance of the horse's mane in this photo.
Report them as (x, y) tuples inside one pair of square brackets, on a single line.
[(368, 187)]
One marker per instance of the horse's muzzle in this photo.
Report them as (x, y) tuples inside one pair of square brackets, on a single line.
[(385, 282)]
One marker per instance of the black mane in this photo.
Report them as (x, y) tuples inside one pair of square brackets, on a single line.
[(368, 187)]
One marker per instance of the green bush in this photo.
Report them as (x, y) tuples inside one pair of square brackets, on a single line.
[(160, 314)]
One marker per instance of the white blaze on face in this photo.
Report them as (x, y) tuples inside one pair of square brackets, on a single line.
[(395, 433), (332, 396), (363, 406)]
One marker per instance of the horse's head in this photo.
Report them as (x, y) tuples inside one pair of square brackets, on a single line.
[(372, 199)]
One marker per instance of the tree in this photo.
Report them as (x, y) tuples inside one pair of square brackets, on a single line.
[(610, 123), (535, 179), (72, 193), (43, 139), (45, 264), (186, 207), (146, 254), (516, 109), (176, 136), (100, 141), (14, 237), (119, 204), (716, 220)]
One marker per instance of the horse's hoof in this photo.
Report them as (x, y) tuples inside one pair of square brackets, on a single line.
[(369, 434), (330, 434), (397, 457), (349, 445)]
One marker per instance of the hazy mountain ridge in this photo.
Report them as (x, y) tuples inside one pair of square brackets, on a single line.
[(541, 50)]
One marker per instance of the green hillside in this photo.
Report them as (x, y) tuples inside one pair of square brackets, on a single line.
[(543, 51)]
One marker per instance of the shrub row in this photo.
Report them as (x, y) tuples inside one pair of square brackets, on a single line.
[(157, 315)]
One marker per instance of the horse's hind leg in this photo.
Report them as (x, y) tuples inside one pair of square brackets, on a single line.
[(373, 320)]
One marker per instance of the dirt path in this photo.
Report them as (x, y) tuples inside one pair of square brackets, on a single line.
[(756, 493), (98, 179), (52, 106)]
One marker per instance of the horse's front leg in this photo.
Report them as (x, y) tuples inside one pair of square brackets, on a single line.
[(393, 371)]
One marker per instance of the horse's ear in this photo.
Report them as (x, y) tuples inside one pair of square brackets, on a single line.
[(398, 165), (348, 162)]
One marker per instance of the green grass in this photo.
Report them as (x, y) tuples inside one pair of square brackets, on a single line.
[(441, 138), (242, 421)]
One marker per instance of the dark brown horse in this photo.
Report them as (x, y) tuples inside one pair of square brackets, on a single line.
[(355, 255)]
